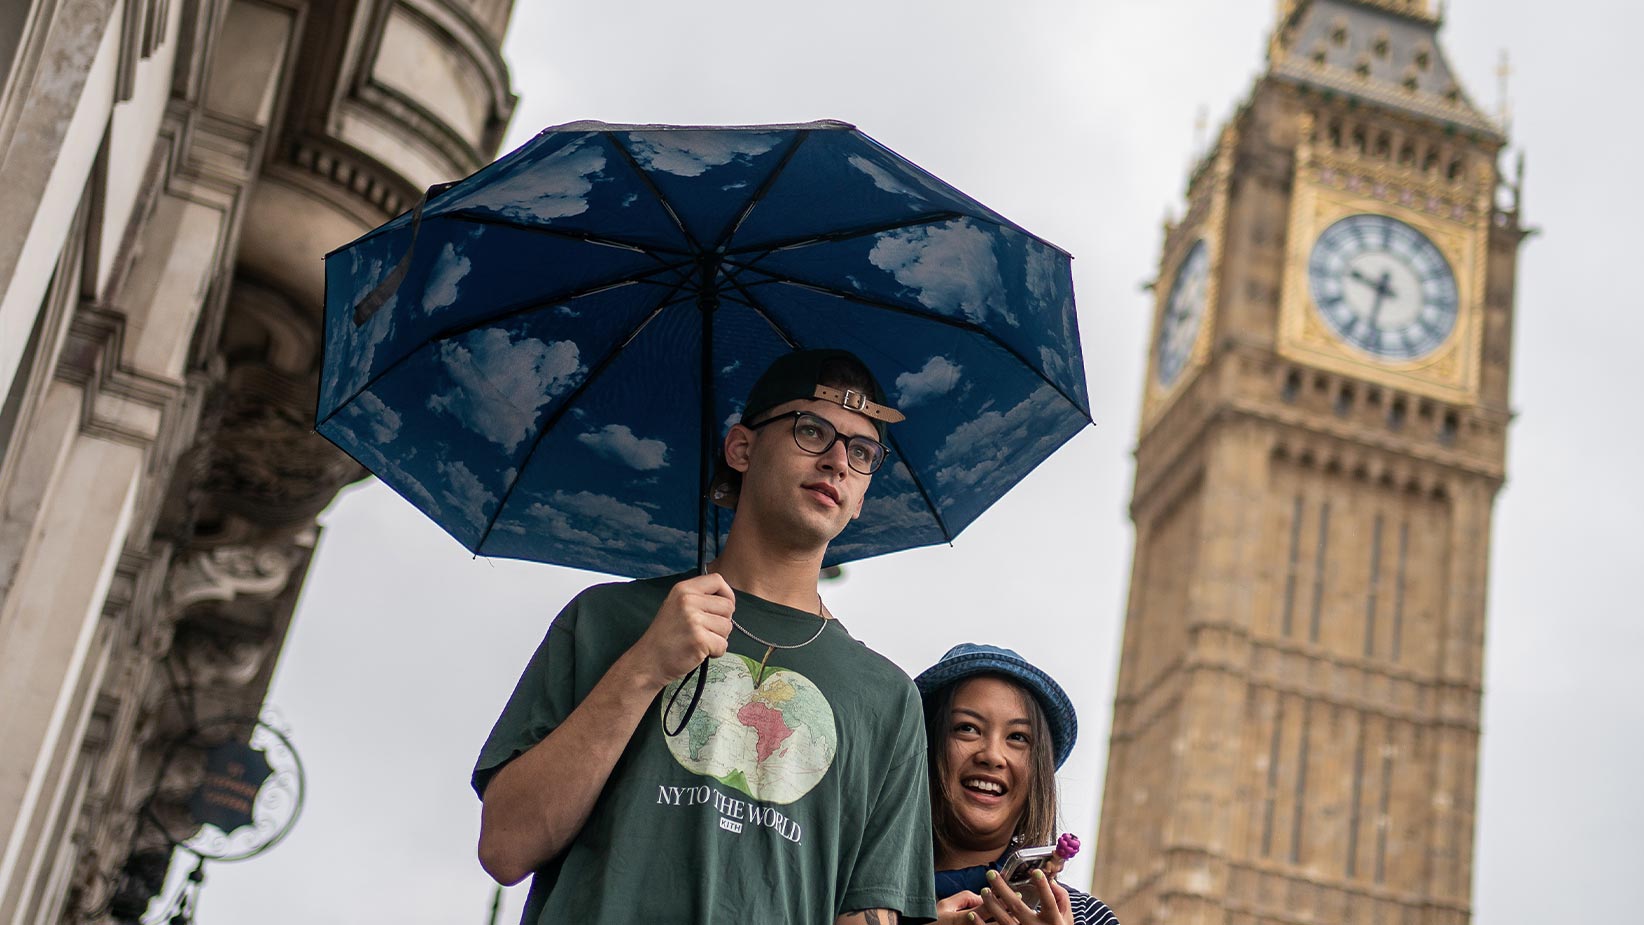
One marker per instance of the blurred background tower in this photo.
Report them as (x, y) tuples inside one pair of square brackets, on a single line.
[(171, 172), (1295, 733)]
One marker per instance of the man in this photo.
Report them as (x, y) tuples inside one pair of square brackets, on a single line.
[(796, 790)]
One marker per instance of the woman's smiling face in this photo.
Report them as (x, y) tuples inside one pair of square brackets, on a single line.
[(989, 760)]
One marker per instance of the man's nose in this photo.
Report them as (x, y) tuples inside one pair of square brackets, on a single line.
[(835, 458)]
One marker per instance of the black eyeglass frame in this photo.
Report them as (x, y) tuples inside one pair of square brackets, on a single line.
[(884, 451)]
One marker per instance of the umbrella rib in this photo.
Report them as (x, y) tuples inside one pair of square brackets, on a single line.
[(759, 194), (565, 406), (490, 320), (970, 326), (759, 309), (649, 250), (645, 177), (845, 234), (941, 523), (597, 288)]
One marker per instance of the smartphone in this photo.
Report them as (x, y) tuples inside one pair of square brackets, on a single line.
[(1019, 867)]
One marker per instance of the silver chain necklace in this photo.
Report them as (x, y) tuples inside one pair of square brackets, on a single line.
[(773, 646)]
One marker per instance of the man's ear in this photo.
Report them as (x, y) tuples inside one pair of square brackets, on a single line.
[(739, 447)]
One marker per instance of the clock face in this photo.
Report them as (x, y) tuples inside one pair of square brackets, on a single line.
[(1383, 287), (1184, 312)]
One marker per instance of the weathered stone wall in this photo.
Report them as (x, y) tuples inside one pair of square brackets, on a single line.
[(172, 172)]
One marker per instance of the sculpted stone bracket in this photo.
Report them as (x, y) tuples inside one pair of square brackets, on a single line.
[(120, 404), (227, 573), (268, 467)]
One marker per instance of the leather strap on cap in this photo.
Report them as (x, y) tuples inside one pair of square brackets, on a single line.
[(860, 403)]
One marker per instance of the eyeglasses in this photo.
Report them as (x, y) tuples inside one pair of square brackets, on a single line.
[(817, 435)]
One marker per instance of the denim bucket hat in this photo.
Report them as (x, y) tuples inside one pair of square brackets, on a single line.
[(967, 660)]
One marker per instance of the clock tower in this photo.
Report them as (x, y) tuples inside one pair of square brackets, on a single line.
[(1296, 727)]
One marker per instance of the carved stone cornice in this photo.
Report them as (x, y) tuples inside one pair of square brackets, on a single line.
[(372, 192), (120, 404)]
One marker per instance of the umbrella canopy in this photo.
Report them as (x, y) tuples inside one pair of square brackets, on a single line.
[(543, 357)]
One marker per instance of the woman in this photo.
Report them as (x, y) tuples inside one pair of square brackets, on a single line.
[(998, 729)]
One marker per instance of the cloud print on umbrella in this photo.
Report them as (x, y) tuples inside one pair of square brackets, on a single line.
[(449, 270), (381, 421), (492, 373), (951, 266), (936, 378), (1044, 269), (464, 492), (610, 533), (357, 343), (885, 180), (691, 154), (978, 455), (392, 470), (893, 507), (555, 187), (618, 442)]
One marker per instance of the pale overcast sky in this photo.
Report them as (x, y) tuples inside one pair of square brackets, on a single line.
[(1075, 119)]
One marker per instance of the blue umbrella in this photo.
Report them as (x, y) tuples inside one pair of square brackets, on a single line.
[(543, 357)]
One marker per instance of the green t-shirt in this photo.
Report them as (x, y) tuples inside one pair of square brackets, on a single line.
[(794, 802)]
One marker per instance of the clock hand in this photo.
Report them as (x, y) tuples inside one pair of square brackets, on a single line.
[(1364, 279), (1384, 290)]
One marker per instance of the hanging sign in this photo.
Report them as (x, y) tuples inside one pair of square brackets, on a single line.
[(227, 794)]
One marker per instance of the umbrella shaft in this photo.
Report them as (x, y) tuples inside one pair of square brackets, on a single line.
[(707, 302)]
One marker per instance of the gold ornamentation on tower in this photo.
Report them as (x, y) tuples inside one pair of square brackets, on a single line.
[(1295, 732)]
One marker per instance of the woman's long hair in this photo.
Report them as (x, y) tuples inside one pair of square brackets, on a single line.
[(1037, 825)]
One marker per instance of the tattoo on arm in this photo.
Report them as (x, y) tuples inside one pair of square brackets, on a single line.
[(879, 916)]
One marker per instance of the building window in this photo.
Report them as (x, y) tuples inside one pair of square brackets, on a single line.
[(1448, 428)]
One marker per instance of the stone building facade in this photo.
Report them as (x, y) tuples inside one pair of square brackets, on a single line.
[(1296, 727), (171, 173)]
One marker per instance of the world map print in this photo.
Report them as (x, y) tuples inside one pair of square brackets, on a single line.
[(773, 743)]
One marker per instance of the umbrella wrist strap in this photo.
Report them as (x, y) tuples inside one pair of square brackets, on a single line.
[(701, 672)]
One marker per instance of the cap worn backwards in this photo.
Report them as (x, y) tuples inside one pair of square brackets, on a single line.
[(801, 375)]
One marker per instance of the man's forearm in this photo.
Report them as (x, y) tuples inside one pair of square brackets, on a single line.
[(538, 802)]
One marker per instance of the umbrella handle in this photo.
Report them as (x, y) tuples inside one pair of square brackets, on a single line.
[(701, 672)]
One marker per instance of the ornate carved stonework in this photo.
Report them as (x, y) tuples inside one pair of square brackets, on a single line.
[(187, 295), (269, 470), (226, 573)]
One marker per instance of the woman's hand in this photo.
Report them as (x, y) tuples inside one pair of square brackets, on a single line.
[(1001, 904), (956, 909)]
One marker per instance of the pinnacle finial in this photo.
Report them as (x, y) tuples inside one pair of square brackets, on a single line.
[(1504, 70)]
